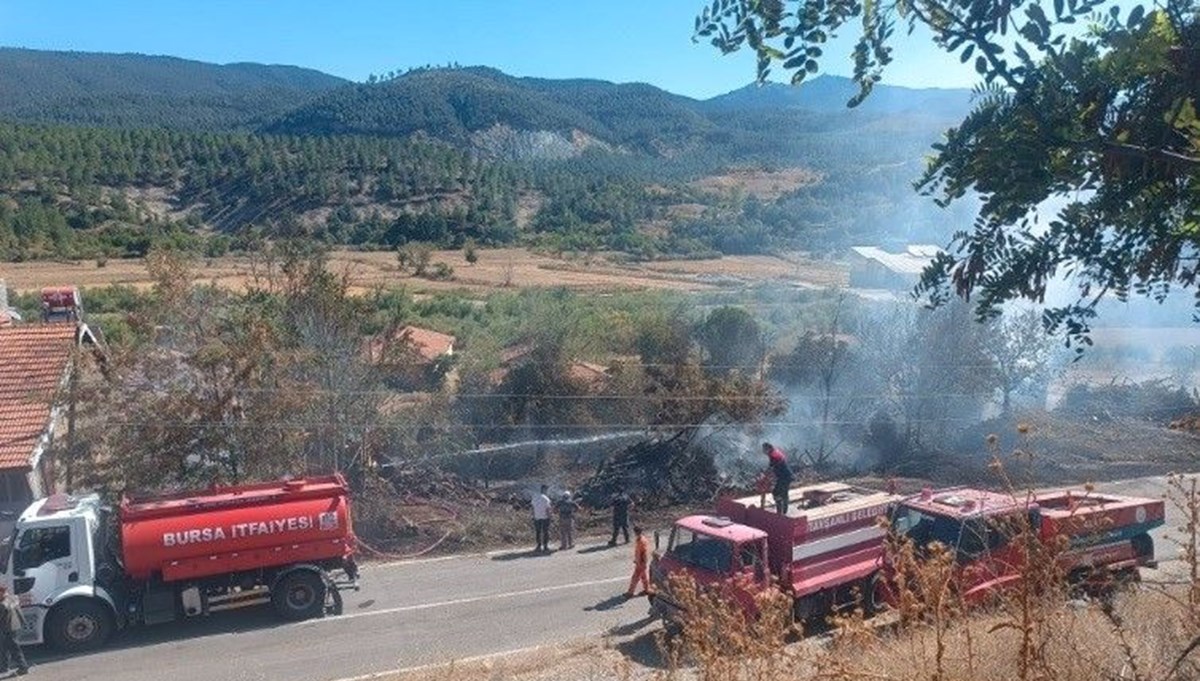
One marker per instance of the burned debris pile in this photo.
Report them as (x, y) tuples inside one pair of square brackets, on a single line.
[(1154, 401), (419, 480), (660, 471)]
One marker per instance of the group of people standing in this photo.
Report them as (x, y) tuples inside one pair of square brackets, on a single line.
[(566, 507)]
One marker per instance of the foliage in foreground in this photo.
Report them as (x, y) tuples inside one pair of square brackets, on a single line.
[(1031, 632), (1101, 121)]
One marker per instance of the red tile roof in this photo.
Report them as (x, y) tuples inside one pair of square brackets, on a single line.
[(33, 361), (429, 344), (591, 375)]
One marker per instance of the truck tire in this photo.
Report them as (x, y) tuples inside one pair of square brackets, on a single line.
[(874, 594), (79, 624), (299, 595)]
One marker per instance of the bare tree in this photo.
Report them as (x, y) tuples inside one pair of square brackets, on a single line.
[(1022, 352)]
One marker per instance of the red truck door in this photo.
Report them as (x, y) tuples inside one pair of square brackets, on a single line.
[(751, 575), (991, 560)]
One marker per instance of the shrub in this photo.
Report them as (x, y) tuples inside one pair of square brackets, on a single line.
[(441, 271)]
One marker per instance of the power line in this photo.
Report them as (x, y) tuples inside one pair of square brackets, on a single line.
[(510, 426)]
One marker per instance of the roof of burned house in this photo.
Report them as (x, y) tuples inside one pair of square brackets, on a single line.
[(427, 343), (588, 374), (34, 361), (591, 375)]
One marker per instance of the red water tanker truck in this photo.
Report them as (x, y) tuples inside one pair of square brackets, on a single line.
[(82, 570)]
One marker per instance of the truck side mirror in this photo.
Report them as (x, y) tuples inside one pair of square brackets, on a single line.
[(657, 539)]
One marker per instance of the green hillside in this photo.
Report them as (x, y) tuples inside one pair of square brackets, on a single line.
[(104, 155), (452, 103), (132, 90)]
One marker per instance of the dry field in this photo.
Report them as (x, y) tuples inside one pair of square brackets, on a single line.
[(496, 269), (765, 184)]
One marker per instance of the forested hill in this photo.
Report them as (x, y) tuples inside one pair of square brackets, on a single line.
[(133, 90), (478, 108), (105, 155), (451, 104), (474, 105), (829, 94)]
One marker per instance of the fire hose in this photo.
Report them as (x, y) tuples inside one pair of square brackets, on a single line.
[(413, 501)]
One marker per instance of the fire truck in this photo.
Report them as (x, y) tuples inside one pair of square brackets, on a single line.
[(826, 551), (1107, 537), (82, 570)]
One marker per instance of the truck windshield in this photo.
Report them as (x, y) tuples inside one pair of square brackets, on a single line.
[(967, 539), (37, 546), (699, 550), (925, 528)]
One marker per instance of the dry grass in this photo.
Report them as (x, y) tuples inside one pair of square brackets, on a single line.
[(497, 269), (1085, 645)]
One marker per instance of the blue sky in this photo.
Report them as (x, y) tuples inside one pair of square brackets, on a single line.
[(619, 40)]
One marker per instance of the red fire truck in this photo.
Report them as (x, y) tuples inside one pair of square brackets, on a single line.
[(1108, 536), (828, 547), (82, 571)]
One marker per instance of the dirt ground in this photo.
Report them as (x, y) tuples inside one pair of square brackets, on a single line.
[(765, 184), (496, 269)]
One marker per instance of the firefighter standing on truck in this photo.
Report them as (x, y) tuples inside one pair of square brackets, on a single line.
[(783, 476)]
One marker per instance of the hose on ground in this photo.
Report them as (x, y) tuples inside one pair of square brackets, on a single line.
[(452, 518)]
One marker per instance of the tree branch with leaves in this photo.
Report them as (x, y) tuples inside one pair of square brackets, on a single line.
[(1080, 102)]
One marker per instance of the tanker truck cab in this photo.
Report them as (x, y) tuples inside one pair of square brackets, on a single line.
[(50, 566)]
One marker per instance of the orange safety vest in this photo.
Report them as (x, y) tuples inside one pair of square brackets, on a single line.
[(641, 551)]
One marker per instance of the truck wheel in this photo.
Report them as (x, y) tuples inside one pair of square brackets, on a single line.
[(78, 625), (874, 594), (300, 595)]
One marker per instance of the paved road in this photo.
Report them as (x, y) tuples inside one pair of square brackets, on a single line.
[(409, 614)]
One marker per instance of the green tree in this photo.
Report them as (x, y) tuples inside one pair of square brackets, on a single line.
[(733, 339), (1102, 120)]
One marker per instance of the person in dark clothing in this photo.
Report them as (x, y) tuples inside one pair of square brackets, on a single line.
[(783, 476), (621, 505), (11, 622)]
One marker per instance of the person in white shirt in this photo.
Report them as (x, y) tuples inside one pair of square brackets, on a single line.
[(541, 520)]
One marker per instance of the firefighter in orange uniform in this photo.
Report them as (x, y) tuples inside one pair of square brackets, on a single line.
[(641, 563)]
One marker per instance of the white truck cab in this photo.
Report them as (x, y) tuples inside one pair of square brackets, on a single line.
[(49, 563)]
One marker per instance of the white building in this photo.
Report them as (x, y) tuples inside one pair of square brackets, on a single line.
[(872, 267)]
